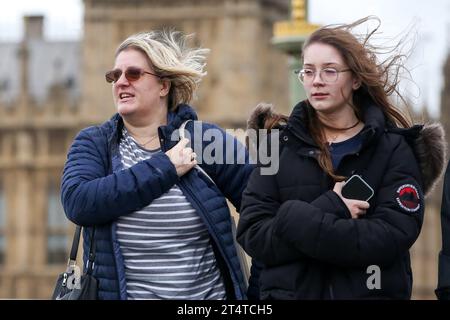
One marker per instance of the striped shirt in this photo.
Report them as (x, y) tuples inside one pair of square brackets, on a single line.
[(166, 247)]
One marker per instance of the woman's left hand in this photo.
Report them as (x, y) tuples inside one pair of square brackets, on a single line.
[(356, 207), (182, 157)]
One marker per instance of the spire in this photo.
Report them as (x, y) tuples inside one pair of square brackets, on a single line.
[(298, 11), (298, 26), (289, 37)]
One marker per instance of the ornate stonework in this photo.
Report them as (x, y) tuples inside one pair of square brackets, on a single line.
[(243, 69), (55, 89)]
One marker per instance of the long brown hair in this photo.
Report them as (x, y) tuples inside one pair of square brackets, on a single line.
[(379, 79)]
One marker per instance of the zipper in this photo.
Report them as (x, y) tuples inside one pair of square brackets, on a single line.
[(210, 226), (356, 153), (118, 258), (186, 189), (330, 288), (65, 277)]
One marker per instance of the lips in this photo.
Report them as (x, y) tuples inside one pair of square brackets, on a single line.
[(319, 95), (125, 97)]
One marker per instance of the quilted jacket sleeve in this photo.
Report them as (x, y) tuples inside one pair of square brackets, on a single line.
[(228, 164), (255, 232), (92, 196)]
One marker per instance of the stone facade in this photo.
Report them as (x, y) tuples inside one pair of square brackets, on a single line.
[(44, 102), (243, 68), (39, 116)]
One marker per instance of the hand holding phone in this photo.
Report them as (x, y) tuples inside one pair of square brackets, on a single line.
[(357, 189)]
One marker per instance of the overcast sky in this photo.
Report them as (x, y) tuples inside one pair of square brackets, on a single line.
[(427, 21)]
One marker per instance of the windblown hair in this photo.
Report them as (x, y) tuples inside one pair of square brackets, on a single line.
[(379, 82), (379, 79), (171, 59)]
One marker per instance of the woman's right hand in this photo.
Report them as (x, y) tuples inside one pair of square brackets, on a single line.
[(356, 207), (182, 157)]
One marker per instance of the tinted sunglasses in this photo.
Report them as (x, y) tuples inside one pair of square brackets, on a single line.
[(131, 73)]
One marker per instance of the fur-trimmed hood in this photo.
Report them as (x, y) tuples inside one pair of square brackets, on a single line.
[(427, 141)]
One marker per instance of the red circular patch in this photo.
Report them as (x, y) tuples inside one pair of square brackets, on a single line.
[(408, 197)]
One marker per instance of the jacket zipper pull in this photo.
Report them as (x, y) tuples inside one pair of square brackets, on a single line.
[(65, 277)]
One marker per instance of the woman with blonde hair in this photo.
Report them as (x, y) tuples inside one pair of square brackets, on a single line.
[(162, 225)]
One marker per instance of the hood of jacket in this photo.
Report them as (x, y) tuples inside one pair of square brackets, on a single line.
[(427, 141)]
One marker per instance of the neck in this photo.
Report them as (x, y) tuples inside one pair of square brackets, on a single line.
[(145, 128), (339, 126), (338, 121)]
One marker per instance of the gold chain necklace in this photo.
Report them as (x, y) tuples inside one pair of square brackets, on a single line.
[(144, 144)]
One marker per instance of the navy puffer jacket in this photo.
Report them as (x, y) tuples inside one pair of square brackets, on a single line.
[(96, 191)]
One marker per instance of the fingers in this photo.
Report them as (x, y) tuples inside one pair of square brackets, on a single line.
[(182, 143), (182, 157), (182, 154), (359, 208), (338, 187), (188, 155), (364, 205), (356, 208), (358, 214)]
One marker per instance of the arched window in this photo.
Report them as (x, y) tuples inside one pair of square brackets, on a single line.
[(57, 225)]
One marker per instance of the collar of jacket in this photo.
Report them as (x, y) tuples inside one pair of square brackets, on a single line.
[(374, 123), (427, 141), (175, 118)]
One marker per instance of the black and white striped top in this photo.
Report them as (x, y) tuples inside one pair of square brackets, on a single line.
[(166, 247)]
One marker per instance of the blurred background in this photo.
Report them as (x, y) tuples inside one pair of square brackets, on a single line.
[(53, 55)]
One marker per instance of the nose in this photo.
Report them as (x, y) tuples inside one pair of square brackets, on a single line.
[(122, 81), (317, 79)]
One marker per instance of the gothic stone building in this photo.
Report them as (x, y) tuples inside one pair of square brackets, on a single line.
[(50, 90)]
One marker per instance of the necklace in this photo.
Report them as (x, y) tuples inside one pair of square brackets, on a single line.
[(339, 129), (333, 137), (144, 144)]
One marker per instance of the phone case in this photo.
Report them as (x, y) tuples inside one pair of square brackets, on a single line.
[(357, 189)]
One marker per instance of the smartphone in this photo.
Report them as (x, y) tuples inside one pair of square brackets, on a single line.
[(356, 188)]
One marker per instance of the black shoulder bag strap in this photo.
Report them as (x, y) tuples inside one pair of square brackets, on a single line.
[(74, 249)]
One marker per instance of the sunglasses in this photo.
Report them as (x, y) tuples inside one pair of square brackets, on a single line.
[(131, 73)]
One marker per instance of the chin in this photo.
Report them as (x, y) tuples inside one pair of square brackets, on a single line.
[(124, 109), (320, 106)]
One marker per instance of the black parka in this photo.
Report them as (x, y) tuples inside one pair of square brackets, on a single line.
[(443, 288), (302, 232)]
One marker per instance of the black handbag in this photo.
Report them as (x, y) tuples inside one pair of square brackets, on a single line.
[(71, 285)]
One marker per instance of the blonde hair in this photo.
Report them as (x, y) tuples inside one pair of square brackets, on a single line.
[(172, 60)]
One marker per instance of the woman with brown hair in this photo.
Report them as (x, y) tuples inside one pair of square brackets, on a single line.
[(318, 234)]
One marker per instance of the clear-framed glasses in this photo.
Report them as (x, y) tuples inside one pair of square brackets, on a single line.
[(131, 73), (328, 75)]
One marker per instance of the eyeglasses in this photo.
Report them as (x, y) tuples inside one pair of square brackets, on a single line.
[(131, 73), (328, 75)]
